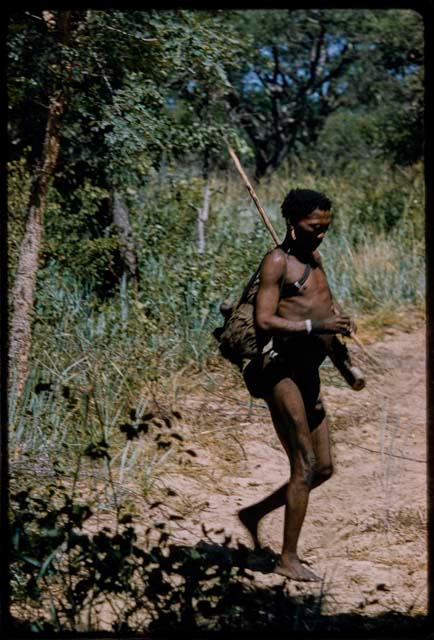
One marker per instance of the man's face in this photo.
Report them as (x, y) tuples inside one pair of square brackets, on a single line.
[(310, 230)]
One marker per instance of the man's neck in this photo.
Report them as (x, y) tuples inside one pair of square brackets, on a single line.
[(289, 245)]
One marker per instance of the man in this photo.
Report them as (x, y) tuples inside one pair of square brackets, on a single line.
[(296, 316)]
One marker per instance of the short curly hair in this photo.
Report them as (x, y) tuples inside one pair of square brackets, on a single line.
[(299, 203)]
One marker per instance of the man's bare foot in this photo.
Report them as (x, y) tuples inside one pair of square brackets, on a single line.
[(250, 521), (293, 569)]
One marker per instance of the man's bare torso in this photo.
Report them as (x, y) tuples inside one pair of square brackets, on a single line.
[(313, 300)]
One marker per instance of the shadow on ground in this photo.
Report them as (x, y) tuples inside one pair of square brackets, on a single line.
[(248, 610), (208, 589)]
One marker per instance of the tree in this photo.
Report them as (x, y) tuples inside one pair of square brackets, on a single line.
[(309, 64), (115, 83), (24, 286)]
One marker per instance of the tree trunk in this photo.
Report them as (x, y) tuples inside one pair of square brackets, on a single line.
[(202, 213), (202, 218), (121, 220), (261, 168), (23, 292)]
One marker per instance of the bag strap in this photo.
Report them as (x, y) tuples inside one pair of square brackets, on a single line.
[(254, 276), (250, 283), (282, 283), (299, 283)]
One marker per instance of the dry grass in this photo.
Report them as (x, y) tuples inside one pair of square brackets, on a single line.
[(388, 320)]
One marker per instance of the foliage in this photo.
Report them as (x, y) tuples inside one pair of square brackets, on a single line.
[(128, 72), (80, 238), (80, 560), (134, 84), (308, 65), (68, 577), (374, 256), (147, 89)]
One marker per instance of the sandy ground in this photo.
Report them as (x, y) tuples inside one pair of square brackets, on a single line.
[(365, 529)]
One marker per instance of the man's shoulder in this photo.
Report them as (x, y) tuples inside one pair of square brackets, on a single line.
[(274, 263), (275, 258), (277, 254)]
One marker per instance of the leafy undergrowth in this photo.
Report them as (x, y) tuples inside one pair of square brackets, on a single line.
[(68, 575)]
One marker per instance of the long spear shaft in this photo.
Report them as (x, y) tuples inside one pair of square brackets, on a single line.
[(274, 235), (253, 195)]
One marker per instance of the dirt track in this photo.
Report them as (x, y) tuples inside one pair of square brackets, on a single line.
[(365, 530)]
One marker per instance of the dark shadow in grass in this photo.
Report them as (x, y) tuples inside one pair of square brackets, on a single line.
[(262, 560), (205, 591), (221, 595)]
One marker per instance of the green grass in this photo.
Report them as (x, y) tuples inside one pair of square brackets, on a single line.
[(373, 255)]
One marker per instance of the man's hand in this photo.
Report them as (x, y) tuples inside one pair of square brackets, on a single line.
[(335, 324), (337, 309)]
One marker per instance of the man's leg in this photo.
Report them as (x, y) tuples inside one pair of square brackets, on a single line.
[(322, 450), (290, 421), (251, 515), (309, 454)]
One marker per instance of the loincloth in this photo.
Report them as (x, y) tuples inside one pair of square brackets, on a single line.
[(297, 358)]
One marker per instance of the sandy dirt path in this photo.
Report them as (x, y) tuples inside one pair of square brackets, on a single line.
[(365, 529)]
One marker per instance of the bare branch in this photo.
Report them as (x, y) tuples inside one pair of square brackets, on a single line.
[(130, 35), (334, 73), (276, 63), (32, 15), (316, 55)]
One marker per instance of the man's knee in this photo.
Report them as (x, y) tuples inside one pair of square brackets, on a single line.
[(323, 473), (306, 473)]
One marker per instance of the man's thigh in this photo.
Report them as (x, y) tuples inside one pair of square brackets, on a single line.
[(290, 420), (308, 382), (321, 446)]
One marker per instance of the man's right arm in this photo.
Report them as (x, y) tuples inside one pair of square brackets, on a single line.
[(268, 294)]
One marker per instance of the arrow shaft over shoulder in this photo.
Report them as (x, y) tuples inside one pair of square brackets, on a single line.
[(253, 196)]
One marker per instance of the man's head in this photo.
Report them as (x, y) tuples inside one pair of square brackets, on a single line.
[(308, 213)]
